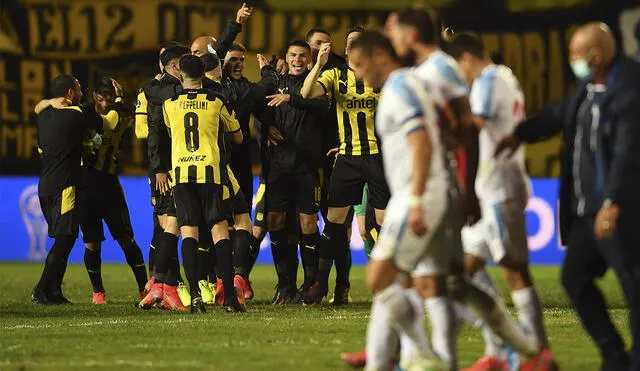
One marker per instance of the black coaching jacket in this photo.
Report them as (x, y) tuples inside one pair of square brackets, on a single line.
[(618, 140)]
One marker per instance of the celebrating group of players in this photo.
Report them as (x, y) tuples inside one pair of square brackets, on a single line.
[(335, 135)]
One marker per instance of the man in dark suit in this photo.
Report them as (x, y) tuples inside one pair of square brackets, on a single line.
[(600, 183)]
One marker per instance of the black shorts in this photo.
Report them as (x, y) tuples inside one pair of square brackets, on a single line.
[(103, 199), (162, 204), (198, 202), (238, 204), (61, 213), (292, 221), (287, 191), (349, 175)]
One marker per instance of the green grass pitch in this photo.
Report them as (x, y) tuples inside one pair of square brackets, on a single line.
[(119, 336)]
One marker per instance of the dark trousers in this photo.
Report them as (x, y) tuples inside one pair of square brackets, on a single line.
[(587, 259)]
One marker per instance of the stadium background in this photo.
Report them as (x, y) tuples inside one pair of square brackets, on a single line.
[(40, 39)]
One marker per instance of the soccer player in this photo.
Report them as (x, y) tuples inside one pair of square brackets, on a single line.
[(358, 163), (197, 119), (142, 132), (316, 37), (247, 98), (293, 179), (60, 137), (102, 197), (502, 186), (164, 288), (414, 227)]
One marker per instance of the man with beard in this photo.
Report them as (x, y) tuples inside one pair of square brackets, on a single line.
[(293, 179)]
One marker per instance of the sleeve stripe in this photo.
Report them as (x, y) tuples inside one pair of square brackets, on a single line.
[(141, 113), (416, 115), (417, 128), (233, 132), (323, 87)]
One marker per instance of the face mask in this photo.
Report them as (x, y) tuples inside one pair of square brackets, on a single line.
[(581, 68)]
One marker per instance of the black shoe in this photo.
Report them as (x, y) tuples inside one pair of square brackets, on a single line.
[(59, 299), (341, 294), (39, 297), (197, 306), (283, 295), (231, 305), (618, 361), (315, 294)]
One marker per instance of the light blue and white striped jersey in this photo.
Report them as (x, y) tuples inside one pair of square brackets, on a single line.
[(497, 97), (404, 107)]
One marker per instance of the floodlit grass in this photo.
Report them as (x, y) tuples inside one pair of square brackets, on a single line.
[(267, 337)]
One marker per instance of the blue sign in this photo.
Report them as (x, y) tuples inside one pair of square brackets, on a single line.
[(23, 230)]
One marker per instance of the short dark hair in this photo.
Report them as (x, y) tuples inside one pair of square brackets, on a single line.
[(425, 20), (172, 53), (104, 86), (210, 60), (300, 43), (192, 66), (465, 42), (371, 39), (238, 47), (353, 29), (169, 44), (61, 85), (316, 30)]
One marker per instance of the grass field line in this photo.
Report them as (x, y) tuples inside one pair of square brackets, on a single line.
[(118, 362), (102, 323)]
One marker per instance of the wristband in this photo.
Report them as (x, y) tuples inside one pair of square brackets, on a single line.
[(415, 202)]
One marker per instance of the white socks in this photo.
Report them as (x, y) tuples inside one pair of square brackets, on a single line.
[(443, 326), (527, 302), (392, 311), (409, 349)]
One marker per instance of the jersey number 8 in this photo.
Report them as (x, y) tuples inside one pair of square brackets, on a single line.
[(191, 135)]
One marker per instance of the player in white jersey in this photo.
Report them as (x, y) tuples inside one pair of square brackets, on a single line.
[(414, 221), (502, 185), (414, 34)]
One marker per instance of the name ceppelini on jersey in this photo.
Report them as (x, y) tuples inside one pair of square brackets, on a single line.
[(362, 103), (192, 158), (193, 104)]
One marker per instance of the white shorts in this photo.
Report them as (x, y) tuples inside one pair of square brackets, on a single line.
[(396, 241), (500, 233)]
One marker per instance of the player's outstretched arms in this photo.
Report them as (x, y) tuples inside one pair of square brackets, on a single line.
[(54, 102)]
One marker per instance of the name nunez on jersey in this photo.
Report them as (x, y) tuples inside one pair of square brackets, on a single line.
[(193, 104), (362, 103), (192, 158)]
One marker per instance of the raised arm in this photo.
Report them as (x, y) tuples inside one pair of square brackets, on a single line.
[(232, 30), (54, 102), (312, 88)]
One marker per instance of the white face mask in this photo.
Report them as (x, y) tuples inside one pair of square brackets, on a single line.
[(581, 69)]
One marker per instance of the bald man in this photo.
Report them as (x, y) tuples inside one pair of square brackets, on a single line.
[(599, 185)]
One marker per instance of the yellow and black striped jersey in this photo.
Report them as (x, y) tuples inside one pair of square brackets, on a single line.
[(114, 124), (197, 121), (356, 103), (142, 124)]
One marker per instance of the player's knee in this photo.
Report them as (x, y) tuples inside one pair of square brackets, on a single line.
[(472, 264), (309, 223), (338, 215), (275, 221), (171, 226), (126, 242), (430, 286), (92, 246), (518, 277), (242, 221)]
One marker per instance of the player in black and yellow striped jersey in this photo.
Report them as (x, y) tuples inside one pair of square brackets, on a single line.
[(198, 119), (358, 162), (102, 196)]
